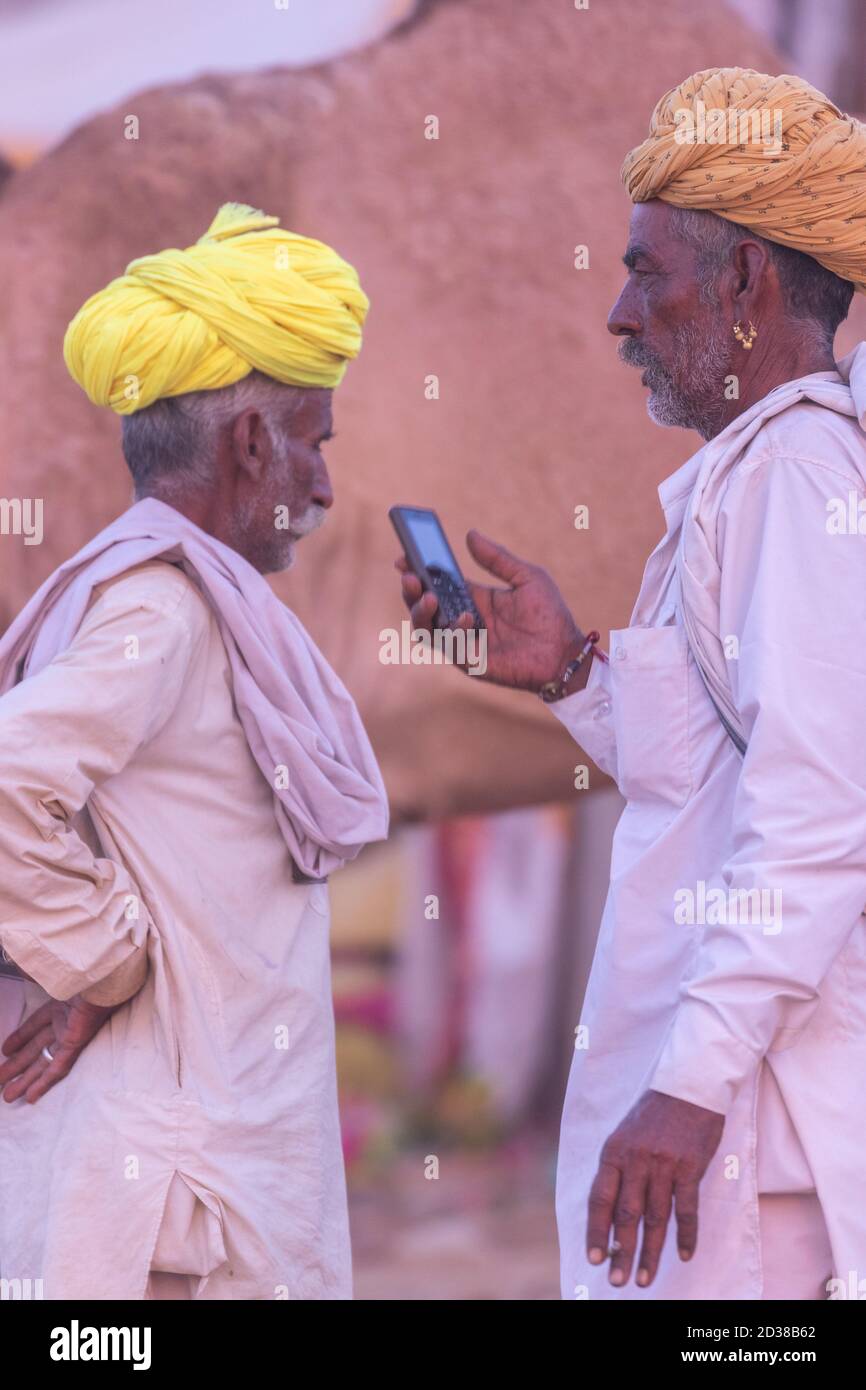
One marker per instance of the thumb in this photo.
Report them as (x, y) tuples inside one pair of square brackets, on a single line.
[(495, 558)]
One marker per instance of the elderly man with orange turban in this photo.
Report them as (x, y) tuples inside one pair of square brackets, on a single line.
[(713, 1133), (182, 772)]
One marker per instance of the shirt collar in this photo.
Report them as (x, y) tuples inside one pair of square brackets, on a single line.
[(674, 490)]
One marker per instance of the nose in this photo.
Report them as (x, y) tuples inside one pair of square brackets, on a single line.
[(322, 494), (624, 319)]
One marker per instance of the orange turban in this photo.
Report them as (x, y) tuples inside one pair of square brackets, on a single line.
[(771, 153)]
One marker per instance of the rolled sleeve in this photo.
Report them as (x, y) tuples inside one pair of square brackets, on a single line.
[(72, 920)]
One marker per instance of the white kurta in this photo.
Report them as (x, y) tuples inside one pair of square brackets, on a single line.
[(218, 1079), (765, 1025)]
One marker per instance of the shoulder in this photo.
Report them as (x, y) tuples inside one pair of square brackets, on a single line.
[(155, 587), (799, 485), (806, 446)]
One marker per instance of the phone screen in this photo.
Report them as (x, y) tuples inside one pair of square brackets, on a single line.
[(430, 539)]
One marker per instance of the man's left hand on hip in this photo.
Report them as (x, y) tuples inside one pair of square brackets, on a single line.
[(45, 1047)]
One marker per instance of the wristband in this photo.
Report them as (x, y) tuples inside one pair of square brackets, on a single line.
[(555, 690)]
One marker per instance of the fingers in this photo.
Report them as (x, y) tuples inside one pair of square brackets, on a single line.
[(412, 588), (627, 1214), (424, 611), (686, 1206), (623, 1198), (422, 603), (51, 1073), (27, 1053), (25, 1065), (602, 1196), (659, 1201), (27, 1030), (32, 1074), (495, 558)]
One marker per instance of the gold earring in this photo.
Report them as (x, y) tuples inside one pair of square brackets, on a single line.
[(741, 337)]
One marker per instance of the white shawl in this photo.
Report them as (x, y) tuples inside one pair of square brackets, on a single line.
[(294, 710)]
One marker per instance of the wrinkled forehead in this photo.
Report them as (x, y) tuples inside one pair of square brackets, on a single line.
[(311, 416), (652, 238), (650, 224)]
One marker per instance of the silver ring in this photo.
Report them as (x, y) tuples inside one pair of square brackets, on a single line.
[(47, 1055)]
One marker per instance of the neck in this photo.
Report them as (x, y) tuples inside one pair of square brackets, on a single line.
[(767, 369), (197, 506)]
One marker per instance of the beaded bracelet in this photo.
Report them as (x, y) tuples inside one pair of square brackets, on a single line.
[(554, 690)]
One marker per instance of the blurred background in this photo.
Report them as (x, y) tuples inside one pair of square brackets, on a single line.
[(458, 152)]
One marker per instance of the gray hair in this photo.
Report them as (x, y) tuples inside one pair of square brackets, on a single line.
[(811, 293), (173, 442)]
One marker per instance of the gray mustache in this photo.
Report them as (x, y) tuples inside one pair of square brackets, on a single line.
[(311, 520), (634, 355)]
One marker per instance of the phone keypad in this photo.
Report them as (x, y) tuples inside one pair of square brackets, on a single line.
[(454, 599)]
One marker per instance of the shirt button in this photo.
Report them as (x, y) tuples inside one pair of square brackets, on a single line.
[(603, 709), (620, 653)]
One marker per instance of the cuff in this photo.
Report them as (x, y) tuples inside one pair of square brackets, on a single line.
[(121, 984), (588, 717), (62, 977), (701, 1060)]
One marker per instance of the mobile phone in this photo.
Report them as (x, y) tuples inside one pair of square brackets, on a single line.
[(431, 558)]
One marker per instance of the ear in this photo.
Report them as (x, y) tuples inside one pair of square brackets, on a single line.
[(251, 444), (754, 277)]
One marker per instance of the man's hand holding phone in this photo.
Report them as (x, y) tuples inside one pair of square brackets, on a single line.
[(531, 635)]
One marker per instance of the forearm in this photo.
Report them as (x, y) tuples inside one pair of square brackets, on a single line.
[(68, 920), (122, 984)]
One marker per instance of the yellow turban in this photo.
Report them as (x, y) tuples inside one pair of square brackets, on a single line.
[(807, 190), (246, 295)]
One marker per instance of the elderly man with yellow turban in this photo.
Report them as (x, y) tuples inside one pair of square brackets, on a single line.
[(182, 771), (713, 1135)]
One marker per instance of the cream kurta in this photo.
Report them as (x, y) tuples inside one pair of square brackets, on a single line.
[(721, 1014), (218, 1077)]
